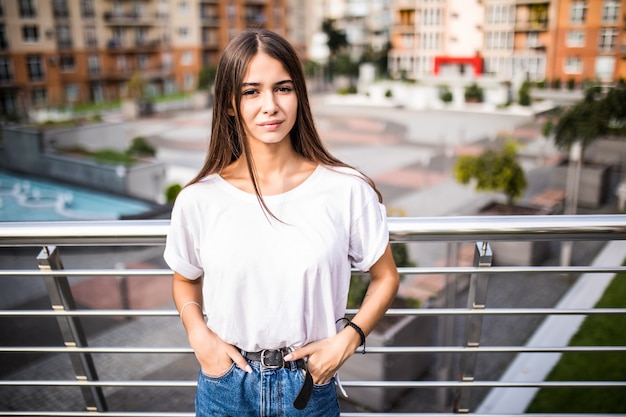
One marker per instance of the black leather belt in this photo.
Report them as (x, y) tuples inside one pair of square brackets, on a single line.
[(274, 359)]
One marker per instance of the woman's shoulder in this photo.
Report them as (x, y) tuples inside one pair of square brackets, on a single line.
[(199, 188)]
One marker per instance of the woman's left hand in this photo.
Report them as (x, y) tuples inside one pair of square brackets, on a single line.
[(326, 356)]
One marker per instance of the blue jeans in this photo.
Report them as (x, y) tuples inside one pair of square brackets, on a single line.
[(263, 393)]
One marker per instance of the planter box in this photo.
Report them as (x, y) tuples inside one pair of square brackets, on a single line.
[(594, 183), (404, 331), (517, 253)]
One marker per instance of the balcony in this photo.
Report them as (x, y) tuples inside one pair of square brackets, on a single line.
[(531, 26), (523, 2), (139, 45), (129, 19), (91, 373)]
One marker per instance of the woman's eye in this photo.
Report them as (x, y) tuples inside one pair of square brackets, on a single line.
[(284, 89), (249, 92)]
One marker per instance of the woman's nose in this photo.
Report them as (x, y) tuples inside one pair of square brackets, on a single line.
[(269, 103)]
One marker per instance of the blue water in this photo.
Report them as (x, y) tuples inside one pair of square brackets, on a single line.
[(24, 198)]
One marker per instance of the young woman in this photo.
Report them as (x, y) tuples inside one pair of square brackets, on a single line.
[(262, 242)]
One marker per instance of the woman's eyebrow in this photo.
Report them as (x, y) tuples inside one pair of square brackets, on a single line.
[(253, 84)]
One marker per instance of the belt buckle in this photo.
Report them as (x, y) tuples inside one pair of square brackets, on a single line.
[(265, 365)]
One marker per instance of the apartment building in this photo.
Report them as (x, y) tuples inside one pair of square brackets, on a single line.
[(518, 36), (590, 41), (61, 52), (430, 37)]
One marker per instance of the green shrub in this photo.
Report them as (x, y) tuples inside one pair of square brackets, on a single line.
[(445, 94), (388, 93), (111, 156), (140, 146), (474, 93), (172, 192), (347, 90), (524, 94), (571, 84)]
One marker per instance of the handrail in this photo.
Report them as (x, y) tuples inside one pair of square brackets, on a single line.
[(478, 230), (453, 228)]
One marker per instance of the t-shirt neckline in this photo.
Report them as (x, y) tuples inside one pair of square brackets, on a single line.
[(303, 185)]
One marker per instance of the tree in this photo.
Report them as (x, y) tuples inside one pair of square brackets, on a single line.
[(494, 170), (206, 77), (524, 94), (337, 39)]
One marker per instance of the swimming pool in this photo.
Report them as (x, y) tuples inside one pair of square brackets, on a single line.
[(24, 198)]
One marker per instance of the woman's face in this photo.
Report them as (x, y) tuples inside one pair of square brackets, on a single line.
[(269, 104)]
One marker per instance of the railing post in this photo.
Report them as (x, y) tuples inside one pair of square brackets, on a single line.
[(71, 329), (476, 300), (446, 329)]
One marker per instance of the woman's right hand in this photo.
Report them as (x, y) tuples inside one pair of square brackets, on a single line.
[(214, 355)]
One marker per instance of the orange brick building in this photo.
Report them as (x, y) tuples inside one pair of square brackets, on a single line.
[(590, 41)]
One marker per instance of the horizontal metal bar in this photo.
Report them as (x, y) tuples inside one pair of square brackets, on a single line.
[(361, 383), (401, 270), (453, 228), (390, 312), (370, 349)]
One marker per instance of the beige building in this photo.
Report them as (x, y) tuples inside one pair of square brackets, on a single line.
[(430, 37), (61, 52)]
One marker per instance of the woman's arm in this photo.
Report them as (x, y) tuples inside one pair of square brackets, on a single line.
[(215, 355), (326, 356)]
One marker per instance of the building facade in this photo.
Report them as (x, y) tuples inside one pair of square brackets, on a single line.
[(517, 40), (430, 37), (62, 52), (590, 41)]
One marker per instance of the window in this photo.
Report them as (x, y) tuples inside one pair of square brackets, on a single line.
[(189, 81), (66, 63), (4, 43), (60, 9), (183, 32), (499, 40), (608, 37), (1, 9), (38, 96), (143, 61), (501, 13), (64, 37), (93, 64), (573, 65), (27, 9), (30, 33), (431, 17), (186, 58), (605, 66), (578, 12), (121, 63), (183, 7), (610, 11), (575, 38), (71, 93), (34, 63), (6, 70), (90, 37), (532, 40), (86, 8)]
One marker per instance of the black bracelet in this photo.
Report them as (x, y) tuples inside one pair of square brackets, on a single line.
[(357, 329)]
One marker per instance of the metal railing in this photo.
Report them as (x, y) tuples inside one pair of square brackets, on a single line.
[(462, 303)]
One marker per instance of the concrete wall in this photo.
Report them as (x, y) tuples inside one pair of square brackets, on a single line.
[(32, 151)]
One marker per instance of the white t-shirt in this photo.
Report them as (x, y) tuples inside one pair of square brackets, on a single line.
[(266, 284)]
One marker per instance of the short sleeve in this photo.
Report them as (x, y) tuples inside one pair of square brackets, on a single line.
[(369, 235), (181, 247)]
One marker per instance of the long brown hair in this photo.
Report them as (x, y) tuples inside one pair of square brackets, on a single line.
[(228, 141)]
